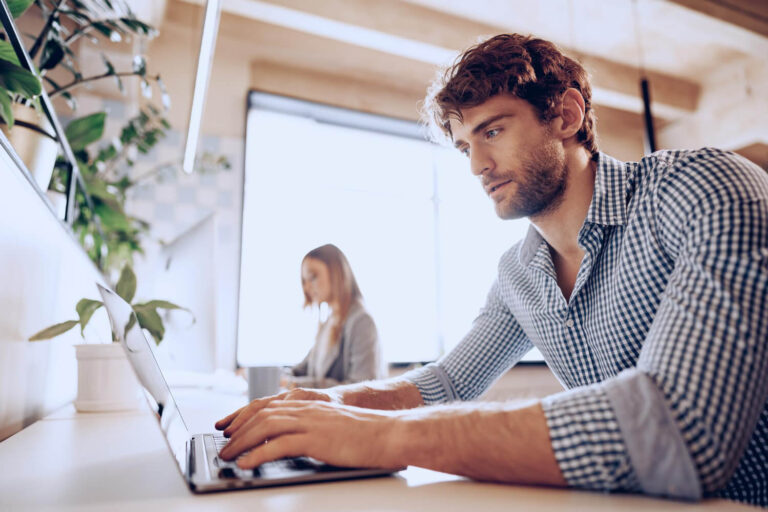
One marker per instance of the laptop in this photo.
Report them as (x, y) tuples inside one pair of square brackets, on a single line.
[(197, 455)]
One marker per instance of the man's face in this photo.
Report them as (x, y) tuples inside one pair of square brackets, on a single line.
[(520, 164)]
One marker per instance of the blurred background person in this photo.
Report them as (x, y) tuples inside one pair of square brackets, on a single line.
[(347, 347)]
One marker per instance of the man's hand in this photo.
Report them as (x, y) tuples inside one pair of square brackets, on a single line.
[(237, 419), (495, 442), (337, 434)]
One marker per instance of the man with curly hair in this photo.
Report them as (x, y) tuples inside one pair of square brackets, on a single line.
[(643, 284)]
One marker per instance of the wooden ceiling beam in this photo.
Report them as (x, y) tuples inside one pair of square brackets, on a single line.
[(749, 14), (287, 42), (331, 89)]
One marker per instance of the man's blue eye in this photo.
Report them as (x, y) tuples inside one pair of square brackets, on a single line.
[(492, 133), (464, 151)]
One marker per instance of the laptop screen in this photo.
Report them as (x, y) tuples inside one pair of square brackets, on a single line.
[(126, 328)]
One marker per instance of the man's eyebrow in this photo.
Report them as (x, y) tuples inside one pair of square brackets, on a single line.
[(482, 126)]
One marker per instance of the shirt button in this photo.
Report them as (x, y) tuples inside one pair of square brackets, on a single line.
[(569, 323)]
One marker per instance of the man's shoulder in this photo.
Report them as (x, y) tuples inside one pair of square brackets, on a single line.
[(706, 173), (667, 157)]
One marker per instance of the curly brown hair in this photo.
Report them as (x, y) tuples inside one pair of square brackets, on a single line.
[(532, 69)]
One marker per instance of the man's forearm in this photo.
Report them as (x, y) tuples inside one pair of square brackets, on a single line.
[(492, 442), (384, 394)]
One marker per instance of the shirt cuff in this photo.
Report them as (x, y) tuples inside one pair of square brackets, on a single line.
[(660, 458), (433, 383), (587, 441)]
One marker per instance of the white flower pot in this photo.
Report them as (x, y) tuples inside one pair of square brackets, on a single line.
[(105, 379), (37, 151)]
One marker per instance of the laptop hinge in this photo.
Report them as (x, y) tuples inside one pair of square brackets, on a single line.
[(190, 458)]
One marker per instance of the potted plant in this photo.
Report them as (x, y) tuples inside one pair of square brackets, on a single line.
[(106, 174), (19, 90), (64, 24), (109, 235), (105, 380)]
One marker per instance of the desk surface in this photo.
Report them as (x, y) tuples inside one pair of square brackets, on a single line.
[(119, 461)]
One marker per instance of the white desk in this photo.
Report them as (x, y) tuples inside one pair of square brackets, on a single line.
[(119, 461)]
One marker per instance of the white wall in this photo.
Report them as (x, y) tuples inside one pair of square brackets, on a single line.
[(43, 273)]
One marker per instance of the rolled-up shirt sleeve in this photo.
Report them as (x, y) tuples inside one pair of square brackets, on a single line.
[(679, 422), (493, 345)]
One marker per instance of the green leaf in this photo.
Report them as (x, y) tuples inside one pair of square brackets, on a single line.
[(130, 324), (112, 218), (85, 130), (85, 309), (139, 65), (71, 101), (82, 157), (19, 80), (123, 183), (163, 304), (82, 17), (151, 321), (139, 27), (97, 187), (126, 285), (53, 53), (8, 53), (5, 107), (54, 330), (128, 133), (103, 28), (108, 64), (17, 7)]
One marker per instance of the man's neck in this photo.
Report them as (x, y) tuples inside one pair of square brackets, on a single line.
[(560, 227)]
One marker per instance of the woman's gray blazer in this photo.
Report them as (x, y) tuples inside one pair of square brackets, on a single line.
[(356, 357)]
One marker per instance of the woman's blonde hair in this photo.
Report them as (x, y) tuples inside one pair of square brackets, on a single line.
[(344, 289)]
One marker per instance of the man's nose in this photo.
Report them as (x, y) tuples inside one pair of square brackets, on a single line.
[(480, 162)]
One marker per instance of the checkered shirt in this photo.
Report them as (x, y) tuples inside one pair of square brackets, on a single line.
[(663, 346)]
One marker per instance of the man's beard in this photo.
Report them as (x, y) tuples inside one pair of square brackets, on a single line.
[(540, 186)]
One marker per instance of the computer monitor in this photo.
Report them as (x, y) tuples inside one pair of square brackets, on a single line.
[(185, 274)]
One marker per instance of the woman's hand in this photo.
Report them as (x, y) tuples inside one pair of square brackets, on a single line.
[(237, 419), (287, 382), (337, 434)]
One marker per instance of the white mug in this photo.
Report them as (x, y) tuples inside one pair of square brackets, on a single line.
[(263, 381)]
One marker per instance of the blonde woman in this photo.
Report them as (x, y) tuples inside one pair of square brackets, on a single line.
[(346, 346)]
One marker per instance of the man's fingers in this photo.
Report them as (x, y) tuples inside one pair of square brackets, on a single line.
[(290, 445), (244, 415), (307, 394), (272, 427), (291, 404), (247, 413), (224, 422)]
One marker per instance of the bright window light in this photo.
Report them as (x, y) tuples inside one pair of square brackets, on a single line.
[(421, 236)]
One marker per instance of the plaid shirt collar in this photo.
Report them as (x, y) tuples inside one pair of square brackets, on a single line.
[(608, 206)]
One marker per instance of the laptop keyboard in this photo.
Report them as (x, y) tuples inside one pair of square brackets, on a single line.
[(280, 468)]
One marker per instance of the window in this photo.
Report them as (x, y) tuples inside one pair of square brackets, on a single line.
[(420, 234)]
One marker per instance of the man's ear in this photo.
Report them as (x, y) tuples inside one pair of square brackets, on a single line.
[(572, 114)]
